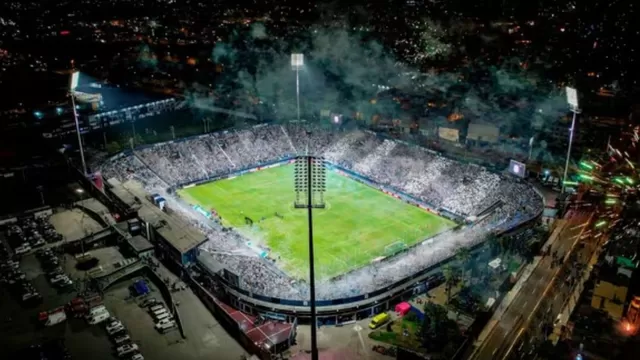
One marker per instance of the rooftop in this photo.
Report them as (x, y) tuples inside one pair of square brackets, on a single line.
[(180, 234), (140, 244), (121, 193), (624, 243)]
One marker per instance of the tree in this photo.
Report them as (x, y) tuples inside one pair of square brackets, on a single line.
[(494, 244), (463, 255), (113, 147), (438, 332), (434, 326), (450, 279)]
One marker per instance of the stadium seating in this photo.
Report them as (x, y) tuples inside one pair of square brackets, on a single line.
[(463, 189)]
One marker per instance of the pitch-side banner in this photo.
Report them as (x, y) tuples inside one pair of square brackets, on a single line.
[(449, 134)]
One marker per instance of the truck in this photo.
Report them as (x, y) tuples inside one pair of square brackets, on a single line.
[(80, 306), (53, 317)]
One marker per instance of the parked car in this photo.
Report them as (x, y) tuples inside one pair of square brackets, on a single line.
[(65, 285), (137, 356), (98, 317), (22, 249), (165, 326), (149, 302), (113, 324), (10, 264), (31, 297), (122, 340), (55, 271), (126, 350), (115, 329), (38, 243), (58, 278)]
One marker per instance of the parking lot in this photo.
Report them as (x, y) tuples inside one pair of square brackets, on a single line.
[(21, 325), (204, 335), (56, 279)]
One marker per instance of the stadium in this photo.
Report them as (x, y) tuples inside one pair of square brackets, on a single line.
[(394, 212)]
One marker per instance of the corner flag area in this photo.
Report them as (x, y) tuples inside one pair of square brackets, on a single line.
[(359, 225)]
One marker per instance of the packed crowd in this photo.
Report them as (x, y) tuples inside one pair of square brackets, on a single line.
[(462, 189)]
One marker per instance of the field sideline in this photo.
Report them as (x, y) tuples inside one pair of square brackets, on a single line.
[(359, 225)]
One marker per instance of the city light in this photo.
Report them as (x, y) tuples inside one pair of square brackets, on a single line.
[(75, 77), (586, 166)]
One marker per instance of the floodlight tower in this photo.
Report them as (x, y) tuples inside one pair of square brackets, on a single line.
[(310, 185), (297, 61), (572, 100), (73, 84)]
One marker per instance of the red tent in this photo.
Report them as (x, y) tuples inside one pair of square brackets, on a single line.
[(403, 308)]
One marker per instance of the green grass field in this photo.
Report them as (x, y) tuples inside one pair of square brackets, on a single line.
[(359, 224)]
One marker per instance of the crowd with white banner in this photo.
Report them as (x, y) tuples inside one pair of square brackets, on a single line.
[(464, 189)]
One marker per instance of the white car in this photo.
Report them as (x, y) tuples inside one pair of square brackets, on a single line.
[(121, 340), (59, 278), (29, 295), (11, 264), (137, 356), (112, 320), (116, 329), (164, 321), (39, 242), (127, 349), (22, 249), (113, 324)]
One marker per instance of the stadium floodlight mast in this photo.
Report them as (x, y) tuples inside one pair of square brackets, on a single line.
[(310, 185), (297, 61), (73, 84), (572, 100)]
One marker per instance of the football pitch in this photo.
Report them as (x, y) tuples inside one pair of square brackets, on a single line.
[(359, 225)]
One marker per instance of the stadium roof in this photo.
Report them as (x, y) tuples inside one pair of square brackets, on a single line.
[(116, 98), (179, 234), (263, 335), (121, 193)]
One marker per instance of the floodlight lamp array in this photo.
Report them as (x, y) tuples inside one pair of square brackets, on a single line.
[(309, 176)]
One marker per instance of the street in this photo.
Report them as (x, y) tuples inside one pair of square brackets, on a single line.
[(519, 314)]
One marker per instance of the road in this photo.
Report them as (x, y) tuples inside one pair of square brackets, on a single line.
[(519, 313), (576, 269)]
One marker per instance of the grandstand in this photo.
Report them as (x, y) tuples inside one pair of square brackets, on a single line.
[(193, 175)]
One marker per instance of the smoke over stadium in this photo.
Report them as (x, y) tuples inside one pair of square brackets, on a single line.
[(345, 70)]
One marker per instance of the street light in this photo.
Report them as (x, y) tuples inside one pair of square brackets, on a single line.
[(297, 61), (73, 84), (572, 100)]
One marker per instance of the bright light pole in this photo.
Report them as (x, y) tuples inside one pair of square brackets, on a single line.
[(297, 61), (75, 76), (572, 100), (310, 184)]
